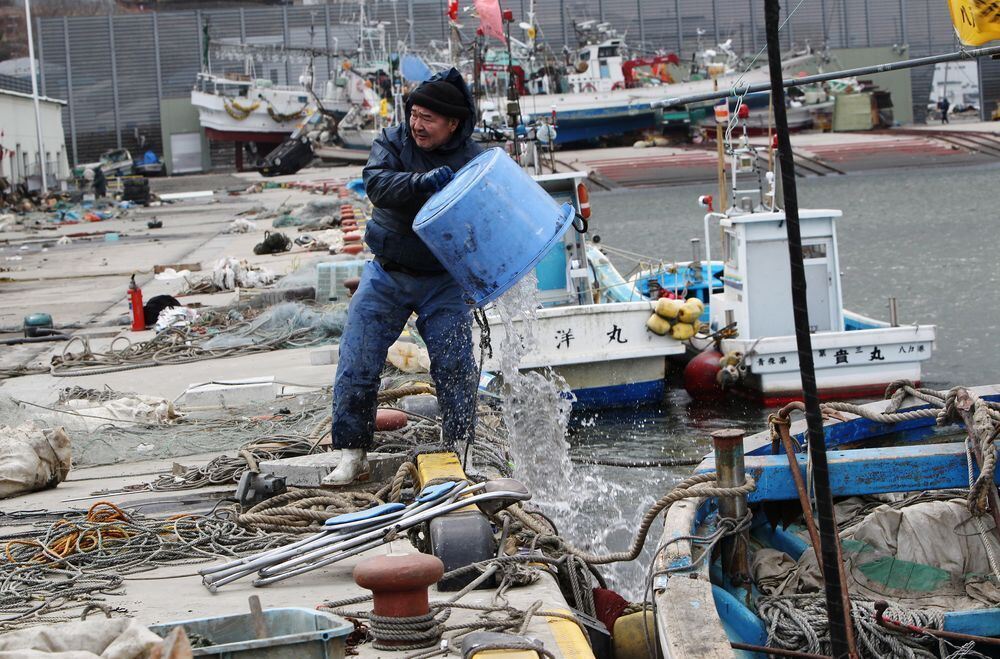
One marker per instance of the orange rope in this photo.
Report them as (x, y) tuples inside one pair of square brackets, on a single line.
[(78, 540)]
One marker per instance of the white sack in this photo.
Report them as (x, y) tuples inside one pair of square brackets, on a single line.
[(119, 638), (32, 459)]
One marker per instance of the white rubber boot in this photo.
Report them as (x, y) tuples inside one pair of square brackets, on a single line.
[(353, 466)]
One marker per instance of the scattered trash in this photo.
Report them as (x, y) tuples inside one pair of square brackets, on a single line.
[(241, 225), (175, 317), (229, 273), (155, 224)]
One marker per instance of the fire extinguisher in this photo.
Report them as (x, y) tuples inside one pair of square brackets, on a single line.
[(135, 306)]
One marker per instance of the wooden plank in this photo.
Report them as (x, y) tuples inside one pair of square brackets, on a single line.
[(863, 471)]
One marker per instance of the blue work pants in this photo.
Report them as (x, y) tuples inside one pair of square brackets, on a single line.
[(376, 317)]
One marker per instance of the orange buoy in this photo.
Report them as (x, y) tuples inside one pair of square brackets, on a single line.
[(352, 237), (353, 248), (386, 419), (701, 376)]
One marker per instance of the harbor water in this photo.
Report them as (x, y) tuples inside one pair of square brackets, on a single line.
[(927, 238)]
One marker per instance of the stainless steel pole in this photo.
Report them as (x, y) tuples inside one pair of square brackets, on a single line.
[(34, 97)]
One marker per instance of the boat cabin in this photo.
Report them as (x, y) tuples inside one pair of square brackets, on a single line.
[(564, 276), (757, 293), (598, 68)]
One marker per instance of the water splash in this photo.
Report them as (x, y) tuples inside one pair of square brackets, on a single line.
[(591, 512)]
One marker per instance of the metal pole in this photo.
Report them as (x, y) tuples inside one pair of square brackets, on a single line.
[(902, 23), (330, 75), (894, 314), (284, 27), (969, 54), (823, 23), (409, 18), (562, 19), (680, 28), (642, 28), (837, 601), (41, 55), (600, 9), (715, 19), (845, 40), (868, 24), (730, 472), (114, 80), (34, 97), (69, 89), (753, 26), (156, 52), (243, 25)]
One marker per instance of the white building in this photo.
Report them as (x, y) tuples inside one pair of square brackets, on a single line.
[(19, 159)]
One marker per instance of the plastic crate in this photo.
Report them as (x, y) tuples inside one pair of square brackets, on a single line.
[(295, 633), (330, 278)]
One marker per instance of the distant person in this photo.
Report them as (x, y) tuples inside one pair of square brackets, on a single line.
[(100, 183), (943, 106)]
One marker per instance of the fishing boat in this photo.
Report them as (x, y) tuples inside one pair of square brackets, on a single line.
[(913, 538), (748, 298), (596, 340)]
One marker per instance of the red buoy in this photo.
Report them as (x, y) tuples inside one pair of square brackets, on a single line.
[(701, 376), (352, 237), (353, 248), (386, 419)]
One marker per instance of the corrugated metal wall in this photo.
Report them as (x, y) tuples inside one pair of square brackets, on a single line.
[(158, 55)]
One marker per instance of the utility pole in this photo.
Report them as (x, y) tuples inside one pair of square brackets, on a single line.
[(34, 96)]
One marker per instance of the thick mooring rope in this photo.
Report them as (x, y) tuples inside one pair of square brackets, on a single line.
[(800, 623)]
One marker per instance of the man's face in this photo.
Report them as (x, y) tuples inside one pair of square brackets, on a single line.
[(430, 129)]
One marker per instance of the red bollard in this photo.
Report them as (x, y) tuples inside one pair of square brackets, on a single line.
[(399, 584)]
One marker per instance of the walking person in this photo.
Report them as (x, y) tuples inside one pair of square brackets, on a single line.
[(943, 105)]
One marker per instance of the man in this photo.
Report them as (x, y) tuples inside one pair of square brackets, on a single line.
[(944, 105), (408, 163)]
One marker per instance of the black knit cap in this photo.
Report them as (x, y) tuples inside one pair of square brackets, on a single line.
[(441, 97)]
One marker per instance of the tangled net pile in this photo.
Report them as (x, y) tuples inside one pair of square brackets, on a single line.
[(59, 569)]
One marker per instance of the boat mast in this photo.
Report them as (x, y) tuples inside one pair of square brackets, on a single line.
[(837, 599)]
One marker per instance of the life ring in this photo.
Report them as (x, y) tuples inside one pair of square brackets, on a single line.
[(618, 85), (589, 87)]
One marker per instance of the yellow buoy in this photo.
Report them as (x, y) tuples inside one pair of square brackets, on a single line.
[(633, 636), (682, 331), (695, 301), (667, 308), (658, 325), (689, 312)]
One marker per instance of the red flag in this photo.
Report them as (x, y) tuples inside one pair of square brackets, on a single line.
[(452, 11), (490, 19)]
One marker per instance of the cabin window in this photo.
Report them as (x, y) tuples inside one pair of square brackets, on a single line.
[(814, 251), (607, 51), (731, 250), (584, 56)]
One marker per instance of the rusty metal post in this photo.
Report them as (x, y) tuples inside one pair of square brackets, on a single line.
[(730, 472)]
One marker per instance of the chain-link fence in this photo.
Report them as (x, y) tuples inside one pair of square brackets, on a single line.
[(113, 70)]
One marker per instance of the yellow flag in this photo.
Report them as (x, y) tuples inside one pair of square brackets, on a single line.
[(383, 107), (976, 21)]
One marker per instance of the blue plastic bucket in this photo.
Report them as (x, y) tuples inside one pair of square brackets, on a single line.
[(491, 225)]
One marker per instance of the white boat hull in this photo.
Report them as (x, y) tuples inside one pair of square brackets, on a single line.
[(848, 364), (604, 351)]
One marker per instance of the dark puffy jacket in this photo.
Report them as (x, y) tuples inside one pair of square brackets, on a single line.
[(388, 176)]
